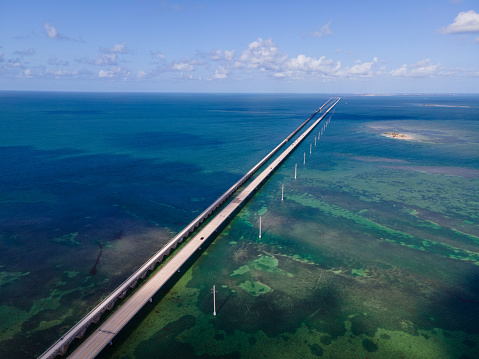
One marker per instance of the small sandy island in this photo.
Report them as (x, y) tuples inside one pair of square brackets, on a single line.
[(400, 136)]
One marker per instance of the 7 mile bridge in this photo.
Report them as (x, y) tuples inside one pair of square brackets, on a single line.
[(105, 333)]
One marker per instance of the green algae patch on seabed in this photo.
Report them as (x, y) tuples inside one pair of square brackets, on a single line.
[(310, 343), (359, 272), (18, 317), (68, 239), (71, 274), (11, 277), (262, 211), (268, 264), (241, 270), (433, 192), (255, 288), (394, 236), (263, 263)]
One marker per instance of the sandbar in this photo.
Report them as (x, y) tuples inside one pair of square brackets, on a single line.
[(400, 136)]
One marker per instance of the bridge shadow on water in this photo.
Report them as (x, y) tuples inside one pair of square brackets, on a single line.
[(164, 343), (456, 312)]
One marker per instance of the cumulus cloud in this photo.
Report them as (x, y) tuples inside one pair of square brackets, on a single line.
[(361, 69), (106, 60), (220, 55), (465, 22), (116, 72), (14, 63), (229, 55), (108, 56), (325, 30), (220, 73), (158, 55), (185, 65), (304, 66), (51, 30), (265, 56), (423, 68), (117, 49)]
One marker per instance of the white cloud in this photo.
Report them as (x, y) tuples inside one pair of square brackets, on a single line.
[(106, 60), (323, 31), (216, 55), (465, 22), (116, 72), (303, 66), (220, 73), (219, 55), (14, 63), (185, 65), (229, 55), (422, 68), (117, 49), (108, 57), (265, 56), (51, 31), (361, 69)]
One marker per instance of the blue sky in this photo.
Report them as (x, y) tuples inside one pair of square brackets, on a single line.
[(346, 46)]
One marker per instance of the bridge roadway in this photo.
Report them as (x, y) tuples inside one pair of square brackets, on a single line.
[(92, 346)]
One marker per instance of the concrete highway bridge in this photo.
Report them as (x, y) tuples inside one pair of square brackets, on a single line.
[(105, 333)]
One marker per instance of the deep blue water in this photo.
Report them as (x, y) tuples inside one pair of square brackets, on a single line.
[(93, 184)]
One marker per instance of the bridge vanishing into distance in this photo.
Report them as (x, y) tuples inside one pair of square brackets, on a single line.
[(105, 333)]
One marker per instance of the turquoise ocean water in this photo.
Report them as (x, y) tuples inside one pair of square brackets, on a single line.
[(374, 251)]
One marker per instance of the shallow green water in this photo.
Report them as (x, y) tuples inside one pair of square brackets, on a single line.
[(371, 254), (374, 251)]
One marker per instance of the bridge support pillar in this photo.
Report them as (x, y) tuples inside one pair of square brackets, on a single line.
[(64, 349), (96, 318), (110, 305), (81, 333)]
